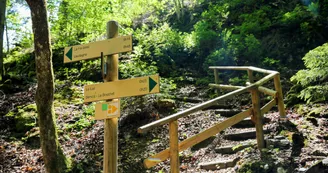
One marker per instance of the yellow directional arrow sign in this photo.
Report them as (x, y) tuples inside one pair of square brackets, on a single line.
[(121, 88), (93, 50), (106, 110)]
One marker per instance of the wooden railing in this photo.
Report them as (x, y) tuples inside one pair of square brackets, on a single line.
[(256, 111)]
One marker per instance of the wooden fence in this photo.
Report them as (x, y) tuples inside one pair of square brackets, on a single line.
[(255, 111)]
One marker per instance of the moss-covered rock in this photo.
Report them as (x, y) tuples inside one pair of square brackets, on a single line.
[(25, 118), (166, 104), (32, 138), (257, 166)]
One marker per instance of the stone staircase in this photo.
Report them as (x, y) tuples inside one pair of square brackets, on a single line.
[(235, 139)]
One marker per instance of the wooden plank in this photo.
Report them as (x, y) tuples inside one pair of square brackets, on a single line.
[(280, 100), (163, 155), (92, 50), (268, 106), (121, 88), (105, 110), (227, 87), (111, 125), (174, 147), (189, 111), (258, 118)]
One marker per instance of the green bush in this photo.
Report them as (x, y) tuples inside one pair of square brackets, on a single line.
[(314, 79)]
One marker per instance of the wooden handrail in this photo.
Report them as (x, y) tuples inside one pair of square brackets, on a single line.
[(232, 87), (203, 105), (242, 68), (253, 87), (196, 108)]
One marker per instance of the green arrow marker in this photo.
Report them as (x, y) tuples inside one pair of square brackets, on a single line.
[(152, 84), (69, 54)]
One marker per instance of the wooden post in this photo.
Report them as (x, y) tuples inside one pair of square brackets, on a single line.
[(111, 125), (250, 76), (174, 147), (258, 118), (216, 77), (280, 100)]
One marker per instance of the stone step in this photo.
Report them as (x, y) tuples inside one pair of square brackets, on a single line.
[(219, 106), (220, 164), (247, 122), (242, 135), (231, 149), (227, 112)]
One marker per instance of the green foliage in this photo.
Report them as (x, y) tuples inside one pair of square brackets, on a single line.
[(314, 78), (162, 46)]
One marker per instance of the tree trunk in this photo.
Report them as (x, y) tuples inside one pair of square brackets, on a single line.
[(2, 26), (53, 156)]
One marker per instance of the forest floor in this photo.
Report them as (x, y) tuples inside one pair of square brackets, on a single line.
[(82, 137)]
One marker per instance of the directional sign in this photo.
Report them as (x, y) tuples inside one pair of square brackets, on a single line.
[(106, 110), (93, 50), (121, 88)]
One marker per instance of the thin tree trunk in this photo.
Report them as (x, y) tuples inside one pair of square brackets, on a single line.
[(3, 4), (53, 156), (7, 36)]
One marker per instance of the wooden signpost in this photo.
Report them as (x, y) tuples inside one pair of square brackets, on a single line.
[(112, 88)]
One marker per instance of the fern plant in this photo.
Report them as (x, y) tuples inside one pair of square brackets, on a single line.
[(314, 79)]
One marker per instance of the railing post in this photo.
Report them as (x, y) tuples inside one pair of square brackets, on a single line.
[(174, 147), (250, 76), (258, 118), (216, 77), (280, 100)]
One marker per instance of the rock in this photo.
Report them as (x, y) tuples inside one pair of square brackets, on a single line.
[(279, 137), (242, 135), (321, 166), (302, 169), (221, 164), (325, 161), (190, 100), (247, 122), (227, 112), (319, 153), (203, 144), (283, 144), (233, 149), (281, 170), (166, 104)]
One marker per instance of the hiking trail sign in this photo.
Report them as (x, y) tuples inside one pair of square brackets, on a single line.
[(94, 49), (106, 110), (109, 111), (121, 88)]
